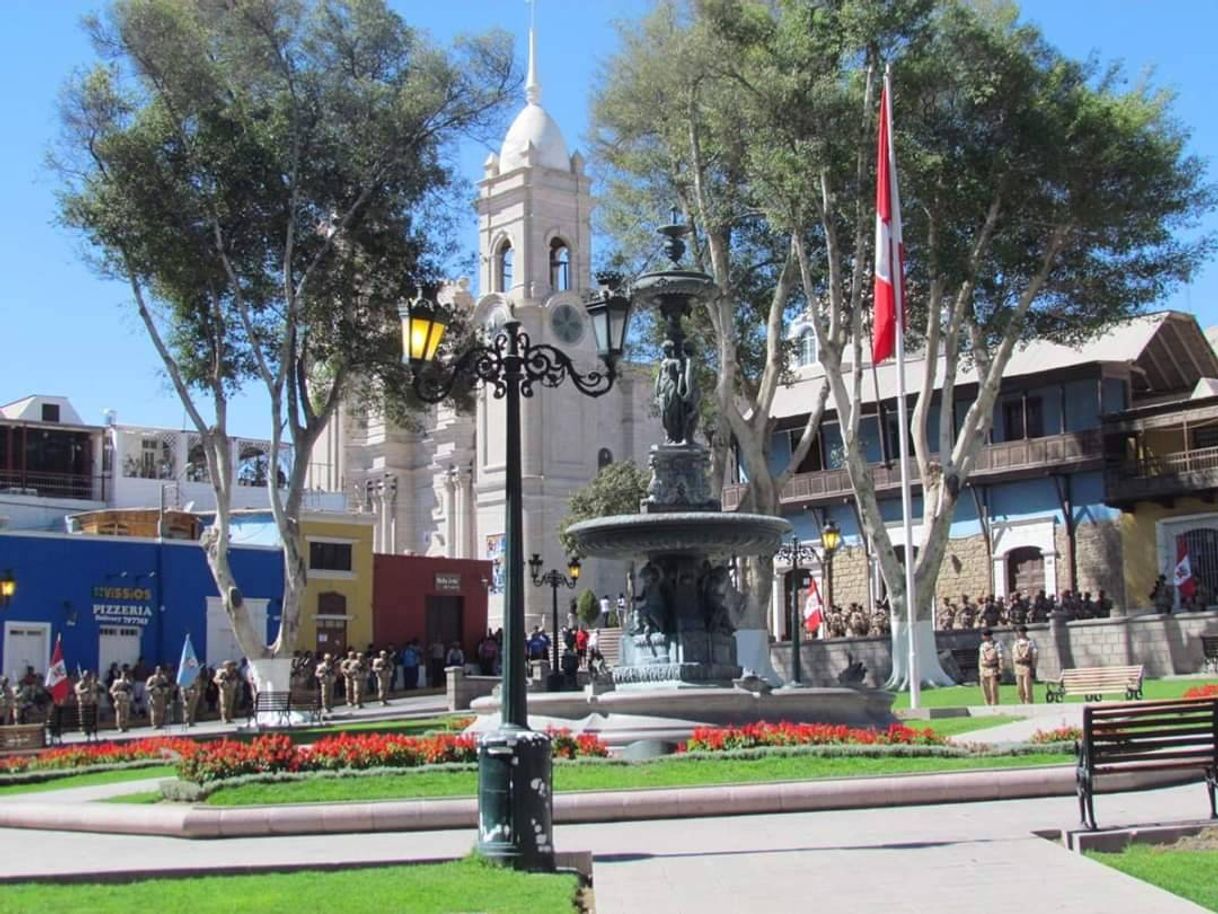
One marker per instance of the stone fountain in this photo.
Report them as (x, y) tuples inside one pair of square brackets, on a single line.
[(678, 667)]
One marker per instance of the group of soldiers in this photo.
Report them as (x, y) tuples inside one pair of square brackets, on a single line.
[(354, 672), (856, 621), (1024, 655), (1017, 609)]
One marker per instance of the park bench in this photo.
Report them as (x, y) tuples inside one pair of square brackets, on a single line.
[(1093, 682), (21, 738), (284, 708), (1209, 651), (1180, 735)]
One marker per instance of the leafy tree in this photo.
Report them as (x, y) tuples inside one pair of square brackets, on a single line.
[(588, 607), (270, 179), (1042, 201), (617, 489)]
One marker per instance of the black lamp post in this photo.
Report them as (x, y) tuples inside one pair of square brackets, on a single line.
[(555, 579), (795, 552), (8, 587), (514, 795)]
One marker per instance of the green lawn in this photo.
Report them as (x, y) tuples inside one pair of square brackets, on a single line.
[(964, 696), (91, 780), (1191, 874), (466, 885), (672, 772)]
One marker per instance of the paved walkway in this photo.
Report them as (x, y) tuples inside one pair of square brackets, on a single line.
[(948, 859)]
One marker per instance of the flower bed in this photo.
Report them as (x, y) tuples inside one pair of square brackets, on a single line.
[(1064, 734), (1205, 691), (97, 756), (720, 739), (270, 754)]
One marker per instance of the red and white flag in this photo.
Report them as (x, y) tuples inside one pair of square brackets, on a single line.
[(57, 675), (889, 247), (814, 608), (1185, 582)]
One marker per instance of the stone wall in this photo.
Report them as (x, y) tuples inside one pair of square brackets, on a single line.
[(965, 569), (1101, 561), (850, 576), (1165, 645)]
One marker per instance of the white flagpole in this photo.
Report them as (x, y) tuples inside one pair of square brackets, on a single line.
[(898, 286)]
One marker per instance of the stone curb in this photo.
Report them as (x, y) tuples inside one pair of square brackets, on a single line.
[(598, 806)]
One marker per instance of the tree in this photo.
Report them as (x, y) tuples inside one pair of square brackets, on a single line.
[(617, 489), (1042, 201), (666, 130), (269, 178)]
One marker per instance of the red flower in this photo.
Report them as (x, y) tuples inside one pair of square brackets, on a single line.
[(785, 733)]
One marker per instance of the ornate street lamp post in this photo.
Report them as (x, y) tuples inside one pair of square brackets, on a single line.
[(8, 587), (795, 552), (555, 579), (514, 796)]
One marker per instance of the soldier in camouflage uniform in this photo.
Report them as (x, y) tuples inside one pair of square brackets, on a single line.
[(121, 693), (989, 666), (86, 703), (157, 689), (8, 704), (353, 670), (947, 615), (227, 680), (382, 666), (1024, 656), (859, 623), (325, 682), (191, 695), (966, 614)]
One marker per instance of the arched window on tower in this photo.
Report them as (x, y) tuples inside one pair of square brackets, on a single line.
[(807, 354), (560, 265), (503, 266)]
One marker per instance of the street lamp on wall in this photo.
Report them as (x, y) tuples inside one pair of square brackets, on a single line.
[(830, 541), (554, 579), (514, 795), (8, 588), (793, 553)]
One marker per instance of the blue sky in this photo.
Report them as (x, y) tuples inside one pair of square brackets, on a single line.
[(67, 332)]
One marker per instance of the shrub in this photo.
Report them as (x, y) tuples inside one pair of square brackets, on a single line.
[(784, 733), (96, 755), (1205, 691), (588, 607)]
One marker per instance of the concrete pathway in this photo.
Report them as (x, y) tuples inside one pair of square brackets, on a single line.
[(946, 859), (1036, 717), (73, 795)]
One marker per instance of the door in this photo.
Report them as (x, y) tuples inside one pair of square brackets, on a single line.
[(1025, 570), (116, 644), (26, 644), (332, 637), (444, 620)]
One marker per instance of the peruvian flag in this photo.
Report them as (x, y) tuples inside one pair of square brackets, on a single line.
[(1185, 582), (889, 248), (57, 675), (814, 608)]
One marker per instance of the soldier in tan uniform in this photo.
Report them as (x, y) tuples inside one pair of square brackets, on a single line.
[(353, 670), (325, 682), (191, 696), (226, 680), (7, 703), (989, 666), (121, 692), (382, 666), (157, 689), (86, 702), (1024, 656)]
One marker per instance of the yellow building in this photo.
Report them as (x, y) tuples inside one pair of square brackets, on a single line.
[(337, 609)]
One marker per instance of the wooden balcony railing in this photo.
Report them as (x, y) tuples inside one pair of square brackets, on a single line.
[(1007, 458), (1164, 476)]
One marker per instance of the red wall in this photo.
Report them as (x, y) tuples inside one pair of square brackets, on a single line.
[(401, 585)]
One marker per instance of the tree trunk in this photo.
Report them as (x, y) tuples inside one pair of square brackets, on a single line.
[(930, 671)]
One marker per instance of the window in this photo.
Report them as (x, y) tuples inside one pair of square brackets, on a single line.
[(806, 354), (604, 457), (502, 280), (330, 556), (811, 462), (1205, 436), (50, 412), (1013, 415), (331, 603), (560, 265)]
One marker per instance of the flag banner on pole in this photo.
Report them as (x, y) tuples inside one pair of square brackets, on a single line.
[(814, 608), (889, 246), (188, 666), (1185, 582), (57, 675)]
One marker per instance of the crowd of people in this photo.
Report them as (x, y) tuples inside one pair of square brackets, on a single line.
[(581, 650), (1018, 609)]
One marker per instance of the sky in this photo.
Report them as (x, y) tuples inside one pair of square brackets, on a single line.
[(67, 332)]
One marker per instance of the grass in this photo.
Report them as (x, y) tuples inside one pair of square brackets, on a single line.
[(963, 696), (671, 772), (91, 780), (465, 885), (1191, 874)]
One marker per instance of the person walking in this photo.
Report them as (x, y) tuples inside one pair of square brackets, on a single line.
[(989, 665), (581, 645)]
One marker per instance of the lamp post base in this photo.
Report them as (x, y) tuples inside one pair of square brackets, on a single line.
[(515, 800)]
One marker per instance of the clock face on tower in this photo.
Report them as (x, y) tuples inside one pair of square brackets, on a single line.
[(567, 323)]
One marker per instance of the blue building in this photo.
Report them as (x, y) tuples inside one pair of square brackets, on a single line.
[(114, 599), (1048, 504)]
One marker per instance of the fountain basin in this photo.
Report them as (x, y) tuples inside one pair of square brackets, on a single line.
[(710, 533)]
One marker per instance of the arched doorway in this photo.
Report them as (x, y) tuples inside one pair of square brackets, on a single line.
[(1025, 570)]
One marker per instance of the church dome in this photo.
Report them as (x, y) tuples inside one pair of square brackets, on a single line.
[(534, 126)]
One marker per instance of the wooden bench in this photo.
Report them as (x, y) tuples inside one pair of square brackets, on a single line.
[(1209, 651), (1179, 735), (1093, 682), (22, 738), (283, 706)]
